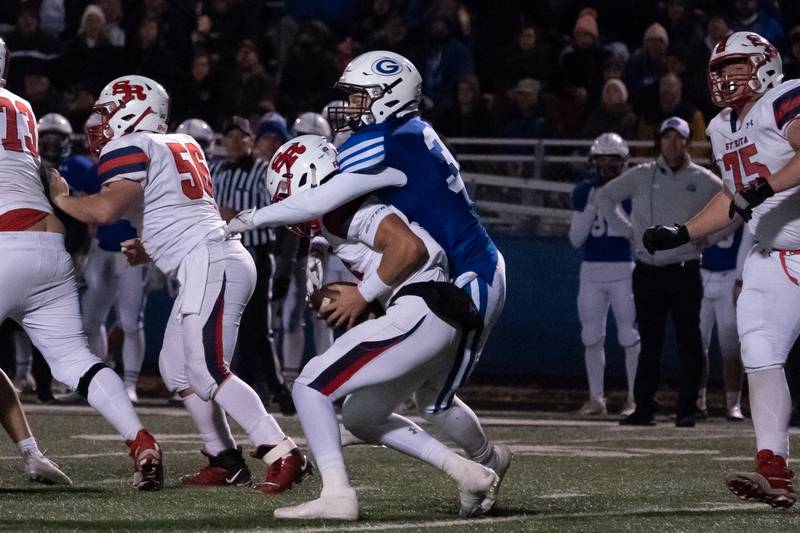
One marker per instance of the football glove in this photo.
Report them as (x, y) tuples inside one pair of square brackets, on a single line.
[(664, 237), (750, 197), (314, 272), (243, 221)]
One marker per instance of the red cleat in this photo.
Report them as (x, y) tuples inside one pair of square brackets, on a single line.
[(286, 466), (225, 469), (771, 483), (148, 461)]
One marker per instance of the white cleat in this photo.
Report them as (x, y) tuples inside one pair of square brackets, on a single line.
[(338, 504), (628, 409), (40, 469), (594, 407), (478, 493), (734, 414), (132, 396), (501, 460)]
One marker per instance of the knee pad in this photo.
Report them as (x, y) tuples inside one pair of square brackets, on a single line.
[(201, 383), (592, 332), (86, 379), (173, 375)]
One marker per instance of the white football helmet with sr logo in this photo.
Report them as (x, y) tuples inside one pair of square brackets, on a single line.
[(126, 105), (381, 85), (765, 68), (303, 163)]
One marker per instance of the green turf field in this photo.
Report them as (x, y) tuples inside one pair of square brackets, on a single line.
[(567, 475)]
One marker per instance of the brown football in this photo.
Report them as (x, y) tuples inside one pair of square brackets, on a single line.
[(321, 298)]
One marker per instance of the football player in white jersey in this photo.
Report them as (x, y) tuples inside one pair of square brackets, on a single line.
[(163, 182), (377, 364), (757, 136), (39, 290), (605, 276)]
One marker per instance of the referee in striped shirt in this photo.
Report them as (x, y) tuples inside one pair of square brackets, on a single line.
[(240, 182)]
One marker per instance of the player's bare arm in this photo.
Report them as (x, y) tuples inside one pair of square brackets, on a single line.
[(134, 252), (314, 203), (763, 187), (109, 205), (403, 253)]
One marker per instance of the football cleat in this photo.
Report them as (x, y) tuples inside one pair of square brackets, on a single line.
[(594, 407), (40, 469), (478, 493), (286, 466), (771, 483), (148, 461), (132, 396), (499, 462), (224, 469), (628, 409), (734, 414), (338, 503)]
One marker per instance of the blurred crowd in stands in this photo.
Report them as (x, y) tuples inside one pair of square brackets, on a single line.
[(557, 68)]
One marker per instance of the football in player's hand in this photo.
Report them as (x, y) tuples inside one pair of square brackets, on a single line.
[(321, 298)]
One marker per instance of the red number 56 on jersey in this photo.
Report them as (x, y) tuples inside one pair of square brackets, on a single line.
[(189, 159)]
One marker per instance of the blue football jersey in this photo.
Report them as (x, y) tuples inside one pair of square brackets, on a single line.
[(722, 255), (604, 244), (434, 195), (81, 174)]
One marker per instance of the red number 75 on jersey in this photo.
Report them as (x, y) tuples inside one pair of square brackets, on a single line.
[(189, 159), (740, 159)]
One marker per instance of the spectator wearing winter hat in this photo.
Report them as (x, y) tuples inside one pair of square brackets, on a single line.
[(90, 58), (272, 133), (581, 75), (646, 66), (249, 90), (614, 114), (31, 49), (751, 18)]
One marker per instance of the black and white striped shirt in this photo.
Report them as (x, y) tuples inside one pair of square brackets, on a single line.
[(242, 185)]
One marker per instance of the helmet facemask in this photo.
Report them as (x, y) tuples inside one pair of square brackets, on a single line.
[(733, 88), (607, 166), (359, 110)]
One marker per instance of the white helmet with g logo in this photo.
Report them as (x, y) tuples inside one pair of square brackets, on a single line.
[(389, 86)]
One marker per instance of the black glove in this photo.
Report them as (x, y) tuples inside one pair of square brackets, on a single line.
[(664, 237), (749, 197)]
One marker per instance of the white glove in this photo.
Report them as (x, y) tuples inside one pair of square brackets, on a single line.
[(242, 222), (314, 272)]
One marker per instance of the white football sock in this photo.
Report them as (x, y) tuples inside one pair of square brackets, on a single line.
[(462, 426), (631, 363), (242, 403), (771, 407), (209, 418), (107, 395), (595, 357), (322, 433), (132, 356), (732, 399), (28, 445)]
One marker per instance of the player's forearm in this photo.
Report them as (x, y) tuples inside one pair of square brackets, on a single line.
[(580, 227), (607, 200), (89, 209), (401, 260), (788, 176), (712, 218), (314, 203)]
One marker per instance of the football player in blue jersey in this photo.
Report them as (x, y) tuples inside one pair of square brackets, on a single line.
[(605, 276), (721, 268), (393, 153)]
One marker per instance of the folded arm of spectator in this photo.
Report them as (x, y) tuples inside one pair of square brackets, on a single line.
[(608, 201)]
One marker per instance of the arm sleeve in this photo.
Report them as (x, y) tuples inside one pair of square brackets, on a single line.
[(314, 203), (124, 163), (580, 227), (609, 197)]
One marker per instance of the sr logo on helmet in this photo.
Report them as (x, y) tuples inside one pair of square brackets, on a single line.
[(386, 66)]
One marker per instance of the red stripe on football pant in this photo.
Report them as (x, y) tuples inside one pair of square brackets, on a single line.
[(354, 367)]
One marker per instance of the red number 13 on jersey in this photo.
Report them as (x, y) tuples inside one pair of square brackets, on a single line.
[(740, 159), (200, 178)]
